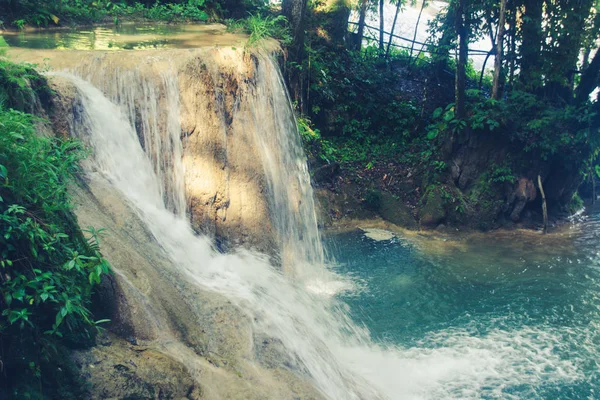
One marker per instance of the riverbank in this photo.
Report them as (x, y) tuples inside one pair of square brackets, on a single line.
[(391, 196)]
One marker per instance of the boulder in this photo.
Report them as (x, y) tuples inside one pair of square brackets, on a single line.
[(525, 191), (395, 211), (432, 212)]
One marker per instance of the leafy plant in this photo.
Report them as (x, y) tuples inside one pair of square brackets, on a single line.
[(48, 268), (261, 27)]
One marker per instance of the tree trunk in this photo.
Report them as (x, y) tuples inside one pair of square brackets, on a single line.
[(481, 75), (544, 206), (560, 74), (531, 45), (589, 79), (512, 50), (361, 24), (440, 55), (461, 74), (387, 51), (294, 11), (412, 45), (498, 82), (337, 21), (381, 27)]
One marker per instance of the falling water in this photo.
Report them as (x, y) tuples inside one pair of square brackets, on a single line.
[(318, 336), (152, 106), (290, 192), (278, 306)]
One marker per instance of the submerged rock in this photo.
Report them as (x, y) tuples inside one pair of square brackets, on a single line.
[(378, 235)]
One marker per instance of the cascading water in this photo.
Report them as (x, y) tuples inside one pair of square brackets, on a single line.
[(135, 134), (279, 307)]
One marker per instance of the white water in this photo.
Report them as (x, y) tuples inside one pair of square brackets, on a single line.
[(326, 346)]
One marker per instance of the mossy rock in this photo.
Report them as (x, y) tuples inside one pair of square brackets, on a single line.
[(395, 211), (432, 212), (119, 370)]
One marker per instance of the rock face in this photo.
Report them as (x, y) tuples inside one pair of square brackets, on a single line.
[(432, 212), (168, 338), (225, 180), (473, 155), (525, 192), (121, 370), (395, 211)]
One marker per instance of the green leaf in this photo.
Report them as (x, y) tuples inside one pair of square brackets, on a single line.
[(432, 134)]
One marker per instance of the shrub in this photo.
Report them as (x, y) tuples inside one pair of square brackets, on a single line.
[(47, 267), (262, 27)]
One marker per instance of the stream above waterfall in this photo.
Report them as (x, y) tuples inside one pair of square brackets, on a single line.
[(125, 37)]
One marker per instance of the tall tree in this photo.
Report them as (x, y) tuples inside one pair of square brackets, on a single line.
[(498, 73), (389, 44), (589, 79), (295, 12), (565, 25), (531, 45), (445, 43), (381, 26), (362, 16), (463, 56), (337, 13), (412, 45)]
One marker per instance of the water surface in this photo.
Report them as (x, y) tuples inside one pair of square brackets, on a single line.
[(514, 314), (125, 37)]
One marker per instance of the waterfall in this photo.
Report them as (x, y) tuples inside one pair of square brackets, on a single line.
[(290, 192), (131, 123), (310, 326)]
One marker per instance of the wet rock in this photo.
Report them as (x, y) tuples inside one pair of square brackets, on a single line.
[(125, 371), (525, 192), (396, 212), (326, 173), (432, 212)]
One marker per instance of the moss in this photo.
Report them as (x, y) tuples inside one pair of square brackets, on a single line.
[(22, 87), (395, 211), (432, 211), (372, 200), (575, 204)]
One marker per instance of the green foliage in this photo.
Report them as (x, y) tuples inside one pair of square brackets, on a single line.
[(372, 200), (314, 144), (47, 267), (443, 121), (575, 204), (500, 174), (41, 13), (20, 84), (261, 27), (192, 10)]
